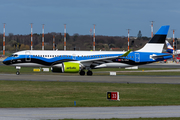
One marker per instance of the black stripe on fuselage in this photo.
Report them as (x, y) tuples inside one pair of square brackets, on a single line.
[(37, 61), (158, 39), (41, 62)]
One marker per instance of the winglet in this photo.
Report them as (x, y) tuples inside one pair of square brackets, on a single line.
[(126, 54)]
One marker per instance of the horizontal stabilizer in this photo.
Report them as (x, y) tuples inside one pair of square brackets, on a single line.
[(160, 56)]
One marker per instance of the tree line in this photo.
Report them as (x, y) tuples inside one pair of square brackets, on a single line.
[(73, 42)]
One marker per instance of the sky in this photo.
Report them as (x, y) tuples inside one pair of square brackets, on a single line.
[(111, 17)]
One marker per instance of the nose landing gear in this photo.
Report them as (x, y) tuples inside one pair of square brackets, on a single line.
[(17, 73), (18, 68)]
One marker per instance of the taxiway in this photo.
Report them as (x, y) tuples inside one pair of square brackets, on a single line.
[(89, 112), (100, 79)]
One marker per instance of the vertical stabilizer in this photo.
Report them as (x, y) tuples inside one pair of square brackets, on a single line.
[(156, 44)]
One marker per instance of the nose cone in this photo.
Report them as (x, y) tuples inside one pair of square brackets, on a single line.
[(7, 61)]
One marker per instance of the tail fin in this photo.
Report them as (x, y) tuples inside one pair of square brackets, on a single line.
[(156, 44)]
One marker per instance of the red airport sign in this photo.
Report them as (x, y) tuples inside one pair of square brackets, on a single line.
[(113, 95)]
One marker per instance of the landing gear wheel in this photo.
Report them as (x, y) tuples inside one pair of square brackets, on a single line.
[(82, 72), (89, 73), (17, 73)]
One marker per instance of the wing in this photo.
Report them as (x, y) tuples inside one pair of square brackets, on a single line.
[(94, 62)]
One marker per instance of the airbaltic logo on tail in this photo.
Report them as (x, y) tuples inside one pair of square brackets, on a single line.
[(70, 67)]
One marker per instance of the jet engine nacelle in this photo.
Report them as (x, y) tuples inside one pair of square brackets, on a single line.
[(67, 67)]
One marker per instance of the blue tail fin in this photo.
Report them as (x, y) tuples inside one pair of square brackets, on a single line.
[(156, 44)]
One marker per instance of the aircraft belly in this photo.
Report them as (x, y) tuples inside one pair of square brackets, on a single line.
[(28, 65), (113, 65)]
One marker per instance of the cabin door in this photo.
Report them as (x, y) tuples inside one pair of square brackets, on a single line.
[(74, 56), (137, 57), (28, 56)]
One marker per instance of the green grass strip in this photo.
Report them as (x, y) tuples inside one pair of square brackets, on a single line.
[(19, 94)]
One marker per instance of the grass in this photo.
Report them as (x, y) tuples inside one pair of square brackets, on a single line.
[(19, 94)]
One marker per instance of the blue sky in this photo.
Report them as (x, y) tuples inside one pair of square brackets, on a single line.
[(112, 17)]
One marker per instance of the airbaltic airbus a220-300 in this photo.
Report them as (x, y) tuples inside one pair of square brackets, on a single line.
[(79, 61)]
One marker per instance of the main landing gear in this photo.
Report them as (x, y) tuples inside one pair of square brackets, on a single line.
[(82, 72), (89, 73)]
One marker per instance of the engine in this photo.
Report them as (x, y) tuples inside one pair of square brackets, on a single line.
[(67, 67)]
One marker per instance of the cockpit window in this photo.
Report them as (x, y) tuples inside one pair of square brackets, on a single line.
[(13, 55)]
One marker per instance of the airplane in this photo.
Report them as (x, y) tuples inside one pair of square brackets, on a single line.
[(79, 61), (170, 48)]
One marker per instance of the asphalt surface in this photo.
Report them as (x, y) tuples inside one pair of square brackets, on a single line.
[(98, 79), (89, 112)]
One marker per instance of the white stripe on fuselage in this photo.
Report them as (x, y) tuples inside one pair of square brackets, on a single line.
[(72, 53)]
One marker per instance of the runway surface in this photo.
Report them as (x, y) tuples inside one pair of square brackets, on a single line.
[(100, 79), (89, 112)]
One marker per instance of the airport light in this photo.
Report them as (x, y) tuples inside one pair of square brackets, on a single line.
[(173, 44), (42, 36), (4, 39), (152, 29), (90, 32), (128, 38), (53, 42), (64, 37), (94, 39), (31, 36)]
